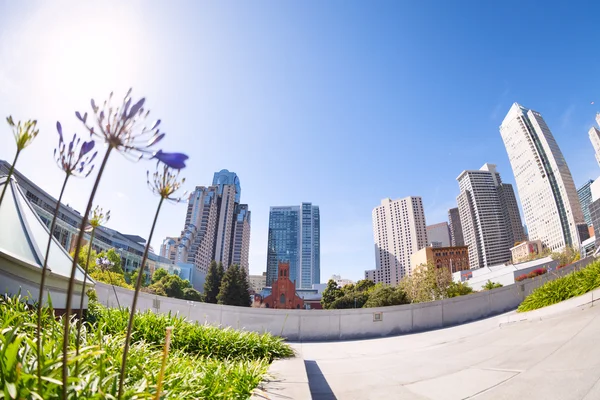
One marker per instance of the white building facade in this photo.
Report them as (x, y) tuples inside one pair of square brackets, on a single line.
[(399, 230), (548, 195), (595, 139)]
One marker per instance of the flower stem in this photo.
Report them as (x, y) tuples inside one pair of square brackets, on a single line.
[(43, 283), (134, 303), (84, 219), (114, 290), (80, 311), (164, 362), (10, 172)]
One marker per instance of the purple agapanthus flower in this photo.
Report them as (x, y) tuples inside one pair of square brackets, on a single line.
[(173, 160), (104, 263), (123, 127), (73, 159)]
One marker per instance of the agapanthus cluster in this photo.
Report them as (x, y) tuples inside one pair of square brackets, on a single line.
[(165, 180), (98, 217), (104, 263), (124, 127), (24, 132), (71, 158)]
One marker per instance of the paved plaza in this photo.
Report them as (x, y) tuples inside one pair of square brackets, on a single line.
[(556, 358)]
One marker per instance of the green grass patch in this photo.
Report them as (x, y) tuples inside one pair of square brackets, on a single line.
[(204, 362), (571, 285)]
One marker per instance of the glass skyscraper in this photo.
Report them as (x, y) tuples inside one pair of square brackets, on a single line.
[(585, 198), (294, 237)]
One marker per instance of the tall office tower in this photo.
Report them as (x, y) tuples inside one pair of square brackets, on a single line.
[(241, 237), (217, 227), (438, 233), (198, 239), (294, 237), (585, 198), (510, 208), (456, 235), (399, 230), (488, 219), (595, 139), (548, 195), (168, 248)]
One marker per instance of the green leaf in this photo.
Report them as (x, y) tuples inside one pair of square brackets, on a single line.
[(12, 389)]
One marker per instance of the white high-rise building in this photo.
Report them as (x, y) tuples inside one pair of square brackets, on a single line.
[(489, 216), (399, 230), (595, 139), (548, 195)]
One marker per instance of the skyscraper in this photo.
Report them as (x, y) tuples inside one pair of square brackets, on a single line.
[(585, 198), (489, 216), (456, 235), (546, 189), (439, 233), (595, 139), (241, 237), (399, 230), (216, 227), (294, 237)]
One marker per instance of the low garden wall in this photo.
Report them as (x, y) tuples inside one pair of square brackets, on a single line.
[(362, 323)]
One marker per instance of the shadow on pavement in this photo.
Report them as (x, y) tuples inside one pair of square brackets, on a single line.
[(319, 388)]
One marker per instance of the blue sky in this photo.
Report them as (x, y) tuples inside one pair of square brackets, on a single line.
[(339, 103)]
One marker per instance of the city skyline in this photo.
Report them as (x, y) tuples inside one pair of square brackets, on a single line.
[(392, 100)]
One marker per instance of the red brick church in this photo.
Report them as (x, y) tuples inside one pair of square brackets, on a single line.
[(283, 291)]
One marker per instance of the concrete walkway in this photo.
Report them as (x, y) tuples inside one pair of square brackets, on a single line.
[(555, 358)]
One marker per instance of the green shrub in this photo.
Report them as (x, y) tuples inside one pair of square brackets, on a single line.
[(571, 285), (189, 374), (489, 285), (202, 340)]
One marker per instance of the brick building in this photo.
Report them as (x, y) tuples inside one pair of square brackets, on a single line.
[(453, 258), (283, 292)]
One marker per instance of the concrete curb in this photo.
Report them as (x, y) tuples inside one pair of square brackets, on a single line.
[(286, 379), (582, 302)]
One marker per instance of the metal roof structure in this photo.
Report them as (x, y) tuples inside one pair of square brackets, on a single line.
[(23, 240)]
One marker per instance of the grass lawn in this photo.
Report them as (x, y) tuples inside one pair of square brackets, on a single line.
[(205, 362)]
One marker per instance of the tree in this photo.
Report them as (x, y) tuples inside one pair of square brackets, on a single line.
[(382, 296), (112, 278), (489, 285), (192, 294), (83, 257), (568, 256), (134, 275), (245, 300), (364, 285), (330, 294), (427, 283), (159, 274), (212, 284), (456, 289), (114, 258), (234, 288)]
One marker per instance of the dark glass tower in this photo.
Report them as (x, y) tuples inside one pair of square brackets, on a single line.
[(294, 237)]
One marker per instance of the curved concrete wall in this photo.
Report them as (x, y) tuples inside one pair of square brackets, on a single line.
[(362, 323)]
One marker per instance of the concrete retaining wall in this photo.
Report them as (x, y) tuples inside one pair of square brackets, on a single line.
[(362, 323)]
